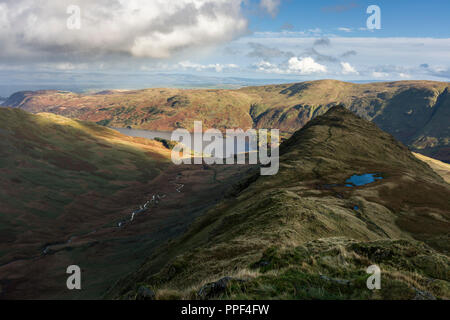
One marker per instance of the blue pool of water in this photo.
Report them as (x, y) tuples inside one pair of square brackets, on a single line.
[(361, 180)]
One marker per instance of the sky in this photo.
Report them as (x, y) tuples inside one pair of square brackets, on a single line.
[(83, 44)]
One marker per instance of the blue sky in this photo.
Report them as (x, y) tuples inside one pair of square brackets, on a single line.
[(81, 44), (400, 18)]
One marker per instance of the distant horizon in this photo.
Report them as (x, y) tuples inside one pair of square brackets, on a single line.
[(7, 90), (79, 45)]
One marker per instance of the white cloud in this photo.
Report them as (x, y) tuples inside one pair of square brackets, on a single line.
[(141, 28), (379, 75), (387, 57), (271, 6), (200, 67), (123, 35), (404, 75), (189, 66), (305, 66), (315, 30), (283, 33), (62, 66), (347, 69), (264, 65), (267, 67)]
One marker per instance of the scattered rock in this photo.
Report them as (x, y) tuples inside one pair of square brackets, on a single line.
[(338, 281), (145, 293), (214, 289), (260, 264), (423, 295)]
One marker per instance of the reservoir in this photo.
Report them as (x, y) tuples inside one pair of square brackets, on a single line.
[(149, 134)]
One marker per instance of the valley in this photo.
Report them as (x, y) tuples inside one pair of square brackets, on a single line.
[(416, 113), (69, 190), (347, 195)]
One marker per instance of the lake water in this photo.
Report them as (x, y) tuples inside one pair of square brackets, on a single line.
[(144, 133), (149, 134), (361, 180)]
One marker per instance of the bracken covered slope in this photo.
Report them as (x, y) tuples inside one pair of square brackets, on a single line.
[(416, 113), (305, 234), (60, 178), (57, 172)]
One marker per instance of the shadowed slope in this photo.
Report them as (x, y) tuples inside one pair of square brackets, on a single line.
[(73, 192), (61, 177)]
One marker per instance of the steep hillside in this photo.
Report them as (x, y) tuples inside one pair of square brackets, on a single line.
[(308, 232), (416, 113), (441, 168), (73, 192), (61, 177)]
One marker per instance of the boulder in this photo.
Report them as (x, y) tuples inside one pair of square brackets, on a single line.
[(214, 289), (145, 293)]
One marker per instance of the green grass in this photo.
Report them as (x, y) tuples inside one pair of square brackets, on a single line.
[(295, 273)]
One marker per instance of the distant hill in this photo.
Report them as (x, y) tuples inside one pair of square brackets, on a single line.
[(306, 234), (415, 112)]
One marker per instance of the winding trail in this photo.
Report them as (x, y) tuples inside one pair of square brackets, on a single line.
[(51, 248)]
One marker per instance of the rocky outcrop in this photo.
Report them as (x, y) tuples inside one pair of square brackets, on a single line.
[(145, 293)]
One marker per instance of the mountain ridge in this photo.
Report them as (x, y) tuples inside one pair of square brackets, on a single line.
[(416, 112), (305, 234)]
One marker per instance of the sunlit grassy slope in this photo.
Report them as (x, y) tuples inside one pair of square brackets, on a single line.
[(60, 176), (303, 234), (443, 169), (416, 113)]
